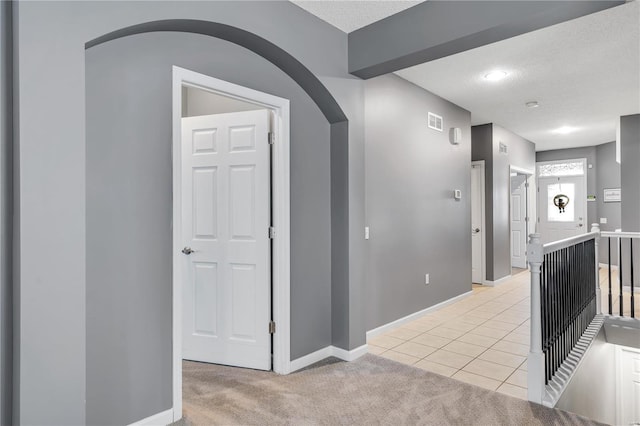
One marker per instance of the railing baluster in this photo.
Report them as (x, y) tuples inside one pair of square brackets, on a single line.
[(610, 296), (620, 274), (633, 300)]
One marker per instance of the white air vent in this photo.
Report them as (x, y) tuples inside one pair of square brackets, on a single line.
[(435, 122)]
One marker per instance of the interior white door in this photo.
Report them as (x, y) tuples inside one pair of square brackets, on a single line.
[(477, 225), (519, 221), (558, 223), (629, 376), (225, 229)]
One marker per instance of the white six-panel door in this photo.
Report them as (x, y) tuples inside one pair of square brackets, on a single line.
[(477, 224), (226, 269), (519, 225)]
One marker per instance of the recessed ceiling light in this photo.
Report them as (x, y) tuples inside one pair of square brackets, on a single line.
[(532, 104), (495, 75), (565, 130)]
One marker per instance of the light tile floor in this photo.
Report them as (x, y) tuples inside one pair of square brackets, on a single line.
[(482, 339)]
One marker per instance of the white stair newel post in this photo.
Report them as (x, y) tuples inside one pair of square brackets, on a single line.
[(535, 363), (596, 228)]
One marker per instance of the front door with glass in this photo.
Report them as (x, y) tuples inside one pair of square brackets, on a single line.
[(562, 200)]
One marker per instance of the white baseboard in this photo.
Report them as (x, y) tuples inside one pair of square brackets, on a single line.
[(400, 322), (160, 419), (351, 355), (312, 358), (497, 282), (323, 353)]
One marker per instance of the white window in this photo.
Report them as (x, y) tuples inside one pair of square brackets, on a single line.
[(567, 168), (562, 208)]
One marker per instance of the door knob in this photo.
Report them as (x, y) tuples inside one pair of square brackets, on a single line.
[(475, 231), (579, 225), (187, 250)]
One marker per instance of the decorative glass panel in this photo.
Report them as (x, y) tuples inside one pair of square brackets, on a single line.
[(569, 168), (561, 202)]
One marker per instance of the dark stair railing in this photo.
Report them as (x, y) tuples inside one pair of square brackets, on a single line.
[(624, 247)]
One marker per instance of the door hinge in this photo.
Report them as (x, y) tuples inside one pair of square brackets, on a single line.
[(526, 185), (526, 219), (271, 138), (272, 327), (272, 232)]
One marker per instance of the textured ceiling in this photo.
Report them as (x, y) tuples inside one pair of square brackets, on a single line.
[(350, 15), (584, 73)]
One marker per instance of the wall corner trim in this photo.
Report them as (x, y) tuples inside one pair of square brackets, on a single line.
[(326, 352), (160, 419), (414, 316), (490, 283)]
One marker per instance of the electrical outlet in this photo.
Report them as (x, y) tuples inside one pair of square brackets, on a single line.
[(603, 220), (426, 279)]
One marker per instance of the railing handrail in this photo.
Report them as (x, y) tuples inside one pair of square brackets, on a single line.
[(568, 242), (620, 234)]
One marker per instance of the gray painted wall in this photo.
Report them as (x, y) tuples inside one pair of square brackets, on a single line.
[(629, 178), (6, 215), (55, 238), (411, 172), (607, 176), (486, 141), (589, 153), (630, 171), (129, 212)]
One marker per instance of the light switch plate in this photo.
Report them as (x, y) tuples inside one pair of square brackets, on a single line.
[(366, 232), (603, 220)]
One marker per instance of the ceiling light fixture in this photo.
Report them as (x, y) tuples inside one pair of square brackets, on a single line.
[(565, 130), (532, 104), (496, 75)]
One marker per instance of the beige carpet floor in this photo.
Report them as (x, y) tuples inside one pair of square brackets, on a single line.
[(369, 391)]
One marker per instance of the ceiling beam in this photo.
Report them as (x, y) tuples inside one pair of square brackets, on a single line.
[(435, 29)]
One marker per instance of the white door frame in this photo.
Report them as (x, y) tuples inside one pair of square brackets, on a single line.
[(530, 177), (280, 202), (483, 221)]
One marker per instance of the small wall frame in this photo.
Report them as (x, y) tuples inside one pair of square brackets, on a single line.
[(611, 195)]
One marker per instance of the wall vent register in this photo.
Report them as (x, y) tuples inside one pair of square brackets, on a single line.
[(435, 122)]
